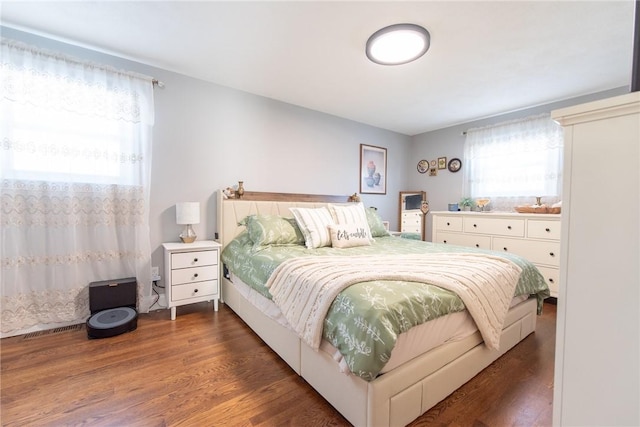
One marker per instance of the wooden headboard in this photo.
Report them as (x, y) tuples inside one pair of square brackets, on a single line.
[(231, 211)]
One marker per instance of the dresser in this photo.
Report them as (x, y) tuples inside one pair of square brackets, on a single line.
[(535, 237), (192, 273), (597, 370)]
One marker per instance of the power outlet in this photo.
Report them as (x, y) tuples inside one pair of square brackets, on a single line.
[(155, 274)]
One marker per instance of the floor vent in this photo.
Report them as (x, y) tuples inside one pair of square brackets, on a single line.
[(71, 328)]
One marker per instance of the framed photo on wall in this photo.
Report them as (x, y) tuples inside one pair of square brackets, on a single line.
[(442, 162), (373, 169)]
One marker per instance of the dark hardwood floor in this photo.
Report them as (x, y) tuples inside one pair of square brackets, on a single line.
[(209, 369)]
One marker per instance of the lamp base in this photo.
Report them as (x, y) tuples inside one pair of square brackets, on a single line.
[(188, 235)]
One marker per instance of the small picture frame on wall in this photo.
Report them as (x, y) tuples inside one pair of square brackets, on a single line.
[(442, 162), (373, 169), (433, 172)]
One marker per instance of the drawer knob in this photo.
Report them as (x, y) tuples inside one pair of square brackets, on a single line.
[(448, 223), (477, 245), (550, 280), (444, 241), (552, 254), (474, 225), (195, 291), (195, 274), (548, 230), (508, 227), (505, 249), (195, 260)]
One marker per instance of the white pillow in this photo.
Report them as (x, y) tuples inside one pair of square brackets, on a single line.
[(351, 213), (314, 223), (349, 235)]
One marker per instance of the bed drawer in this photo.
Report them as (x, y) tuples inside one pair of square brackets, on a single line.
[(538, 252), (495, 226), (543, 229), (449, 223), (208, 288), (482, 242), (193, 259)]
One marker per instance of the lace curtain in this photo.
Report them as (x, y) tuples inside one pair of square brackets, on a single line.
[(514, 162), (75, 161)]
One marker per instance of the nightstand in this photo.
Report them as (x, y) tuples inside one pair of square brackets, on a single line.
[(192, 273)]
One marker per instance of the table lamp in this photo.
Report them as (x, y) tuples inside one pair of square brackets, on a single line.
[(187, 214)]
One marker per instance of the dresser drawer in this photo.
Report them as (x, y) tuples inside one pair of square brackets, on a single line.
[(193, 274), (481, 242), (543, 229), (538, 252), (449, 223), (495, 226), (552, 277), (205, 289), (193, 259)]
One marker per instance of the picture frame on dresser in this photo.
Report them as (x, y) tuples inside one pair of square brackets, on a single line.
[(373, 169)]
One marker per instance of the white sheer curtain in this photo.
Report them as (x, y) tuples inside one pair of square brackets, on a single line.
[(75, 162), (514, 162)]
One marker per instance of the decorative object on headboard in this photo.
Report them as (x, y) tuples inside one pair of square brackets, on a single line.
[(188, 213), (354, 198), (240, 190), (228, 193)]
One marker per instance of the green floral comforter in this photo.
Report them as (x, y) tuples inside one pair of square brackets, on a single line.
[(365, 319)]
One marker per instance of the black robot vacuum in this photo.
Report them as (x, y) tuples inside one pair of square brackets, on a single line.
[(113, 307)]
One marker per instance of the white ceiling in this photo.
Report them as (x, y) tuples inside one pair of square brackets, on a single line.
[(486, 58)]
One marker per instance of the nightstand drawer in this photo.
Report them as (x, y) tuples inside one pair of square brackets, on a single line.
[(193, 259), (194, 274), (194, 290)]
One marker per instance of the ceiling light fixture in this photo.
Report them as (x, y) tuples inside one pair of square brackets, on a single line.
[(398, 44)]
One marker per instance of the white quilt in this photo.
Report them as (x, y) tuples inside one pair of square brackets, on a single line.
[(305, 287)]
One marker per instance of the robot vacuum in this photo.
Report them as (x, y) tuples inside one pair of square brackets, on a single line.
[(113, 307)]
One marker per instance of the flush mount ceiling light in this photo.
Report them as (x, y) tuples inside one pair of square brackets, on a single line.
[(398, 44)]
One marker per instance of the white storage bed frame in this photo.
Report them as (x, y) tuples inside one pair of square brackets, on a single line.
[(393, 399)]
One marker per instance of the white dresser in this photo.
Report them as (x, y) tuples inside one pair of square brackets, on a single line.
[(192, 273), (411, 222), (535, 237), (597, 371)]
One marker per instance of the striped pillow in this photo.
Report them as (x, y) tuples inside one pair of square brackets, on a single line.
[(314, 223)]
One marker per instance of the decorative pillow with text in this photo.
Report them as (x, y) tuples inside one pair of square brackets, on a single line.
[(349, 235)]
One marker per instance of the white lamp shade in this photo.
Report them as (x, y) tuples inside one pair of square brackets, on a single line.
[(188, 213)]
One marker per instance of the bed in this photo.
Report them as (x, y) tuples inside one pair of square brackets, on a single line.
[(405, 386)]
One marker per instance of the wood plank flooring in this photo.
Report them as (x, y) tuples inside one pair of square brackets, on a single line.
[(210, 369)]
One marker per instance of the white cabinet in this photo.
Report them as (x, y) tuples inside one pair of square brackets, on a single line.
[(411, 222), (192, 272), (597, 371), (410, 216), (528, 235)]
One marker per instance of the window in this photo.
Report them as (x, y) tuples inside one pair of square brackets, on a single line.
[(512, 163), (75, 162)]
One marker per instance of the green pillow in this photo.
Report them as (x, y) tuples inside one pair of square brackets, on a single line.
[(375, 223), (265, 230)]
